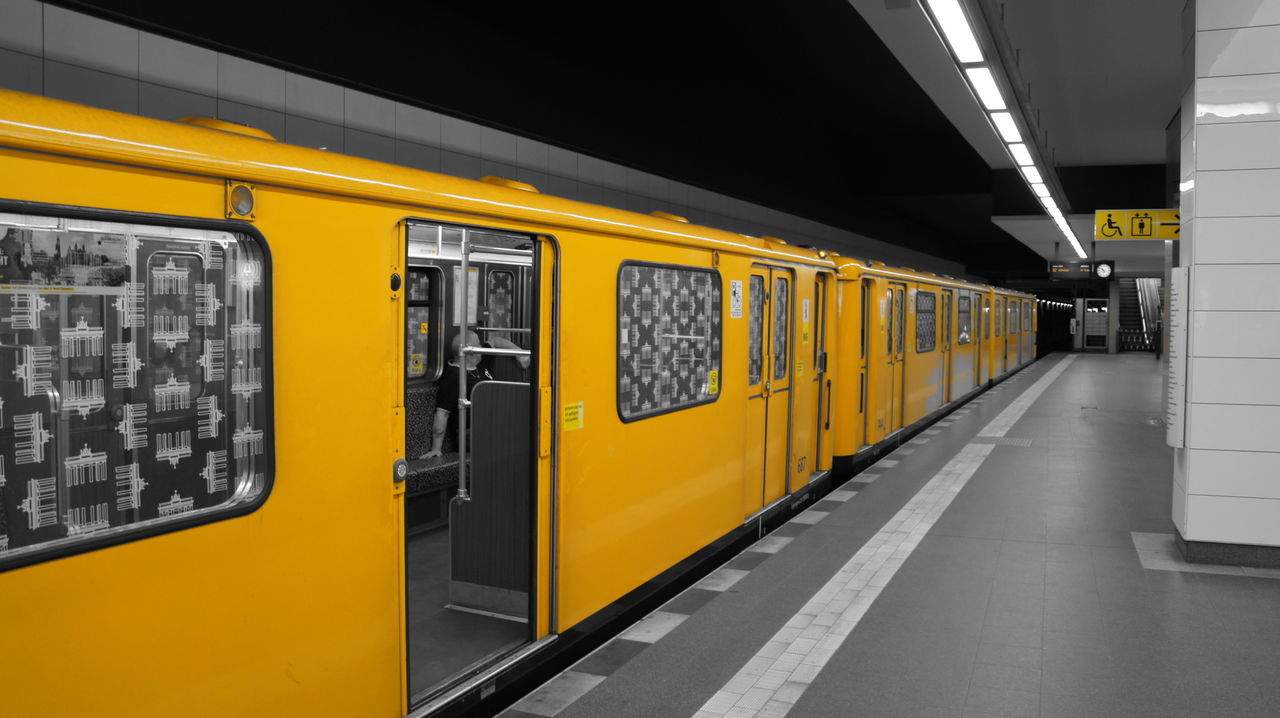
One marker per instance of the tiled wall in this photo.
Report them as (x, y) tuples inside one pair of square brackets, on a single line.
[(56, 52), (1227, 481)]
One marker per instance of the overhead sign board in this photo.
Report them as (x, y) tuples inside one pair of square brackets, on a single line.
[(1136, 224), (1081, 270)]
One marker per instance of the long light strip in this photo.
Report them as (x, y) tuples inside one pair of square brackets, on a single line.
[(953, 24)]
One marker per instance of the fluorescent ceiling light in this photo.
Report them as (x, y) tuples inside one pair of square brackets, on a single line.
[(1020, 153), (955, 26), (1008, 128), (984, 83), (1040, 189), (1032, 174)]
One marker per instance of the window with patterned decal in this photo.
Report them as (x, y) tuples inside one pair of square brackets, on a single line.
[(1026, 315), (424, 323), (139, 393), (501, 307), (926, 322), (669, 338), (755, 332), (1013, 316), (781, 327), (986, 318), (964, 320)]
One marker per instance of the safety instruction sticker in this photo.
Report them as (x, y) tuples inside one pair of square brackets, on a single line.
[(713, 382), (735, 300), (417, 364), (424, 328), (573, 416), (799, 367)]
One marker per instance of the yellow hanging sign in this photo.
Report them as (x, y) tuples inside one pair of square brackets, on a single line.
[(1136, 224)]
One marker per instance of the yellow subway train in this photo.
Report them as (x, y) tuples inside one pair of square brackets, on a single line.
[(238, 377)]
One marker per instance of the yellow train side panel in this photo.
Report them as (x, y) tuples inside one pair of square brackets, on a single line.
[(297, 605)]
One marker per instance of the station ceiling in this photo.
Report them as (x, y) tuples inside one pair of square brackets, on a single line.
[(798, 106)]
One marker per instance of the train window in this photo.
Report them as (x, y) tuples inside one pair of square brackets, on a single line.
[(1026, 315), (502, 284), (423, 323), (986, 318), (781, 326), (889, 305), (998, 314), (755, 337), (1013, 316), (964, 320), (926, 322), (900, 326), (669, 338), (140, 395)]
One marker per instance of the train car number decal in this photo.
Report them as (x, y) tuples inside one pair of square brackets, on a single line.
[(573, 416), (735, 300)]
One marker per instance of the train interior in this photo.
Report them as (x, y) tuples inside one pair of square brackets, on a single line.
[(467, 563)]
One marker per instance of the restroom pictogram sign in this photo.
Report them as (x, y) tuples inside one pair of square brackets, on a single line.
[(1118, 224)]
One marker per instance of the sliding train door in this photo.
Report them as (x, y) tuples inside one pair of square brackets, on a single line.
[(470, 322), (897, 365), (769, 379), (948, 360)]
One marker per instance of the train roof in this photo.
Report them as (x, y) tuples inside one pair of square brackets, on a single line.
[(853, 268), (215, 149)]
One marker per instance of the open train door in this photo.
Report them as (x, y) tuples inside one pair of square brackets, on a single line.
[(476, 313), (769, 373)]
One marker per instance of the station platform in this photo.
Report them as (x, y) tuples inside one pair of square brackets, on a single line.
[(1015, 559)]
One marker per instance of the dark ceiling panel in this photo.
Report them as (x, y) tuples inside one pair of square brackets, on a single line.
[(792, 105)]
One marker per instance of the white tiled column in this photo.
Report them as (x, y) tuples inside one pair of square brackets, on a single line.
[(1227, 478)]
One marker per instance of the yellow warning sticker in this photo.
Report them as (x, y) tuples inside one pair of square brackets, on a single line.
[(713, 382), (573, 418), (799, 367), (424, 328), (416, 364)]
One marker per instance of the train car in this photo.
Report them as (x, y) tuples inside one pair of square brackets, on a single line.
[(229, 486), (913, 344), (288, 432)]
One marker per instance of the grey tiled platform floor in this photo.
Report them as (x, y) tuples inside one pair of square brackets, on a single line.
[(1027, 598)]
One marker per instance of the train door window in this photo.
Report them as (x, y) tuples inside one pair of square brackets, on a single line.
[(986, 318), (423, 349), (755, 332), (139, 395), (926, 322), (864, 296), (900, 334), (998, 314), (1026, 315), (669, 334), (1013, 316), (964, 320), (781, 326), (892, 328)]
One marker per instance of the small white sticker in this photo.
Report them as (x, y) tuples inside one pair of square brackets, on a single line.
[(804, 311), (735, 298)]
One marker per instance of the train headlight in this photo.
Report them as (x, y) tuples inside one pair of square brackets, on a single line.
[(240, 201)]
